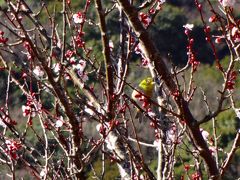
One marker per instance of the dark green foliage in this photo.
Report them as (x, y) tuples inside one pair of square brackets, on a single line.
[(168, 33)]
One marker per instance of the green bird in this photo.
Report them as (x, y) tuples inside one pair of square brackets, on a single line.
[(141, 95)]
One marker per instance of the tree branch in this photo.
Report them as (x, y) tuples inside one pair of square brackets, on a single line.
[(153, 55)]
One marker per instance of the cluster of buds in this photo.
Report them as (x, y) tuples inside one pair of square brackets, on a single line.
[(69, 53), (79, 40), (154, 124), (172, 135), (143, 99), (186, 167), (145, 19), (192, 59), (213, 18), (175, 94), (122, 109), (139, 50), (32, 107), (12, 148), (5, 119), (231, 80), (196, 176), (113, 123), (102, 129), (27, 46), (78, 65), (3, 40)]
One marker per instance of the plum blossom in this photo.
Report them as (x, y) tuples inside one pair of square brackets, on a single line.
[(235, 33), (219, 39), (12, 147), (229, 3), (78, 18), (171, 135), (151, 113), (72, 60), (145, 19), (111, 45), (56, 68), (205, 134), (38, 71), (69, 54), (2, 39), (188, 27), (213, 150), (59, 122), (28, 111), (43, 173), (80, 66)]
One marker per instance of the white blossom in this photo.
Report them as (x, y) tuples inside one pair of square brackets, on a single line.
[(205, 134), (188, 27), (80, 66), (213, 150), (111, 45), (43, 173), (38, 71), (28, 111), (56, 68), (78, 18), (151, 114), (59, 122)]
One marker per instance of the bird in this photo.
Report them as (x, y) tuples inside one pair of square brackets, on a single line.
[(141, 95)]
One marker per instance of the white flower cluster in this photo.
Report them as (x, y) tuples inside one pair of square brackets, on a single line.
[(38, 72)]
